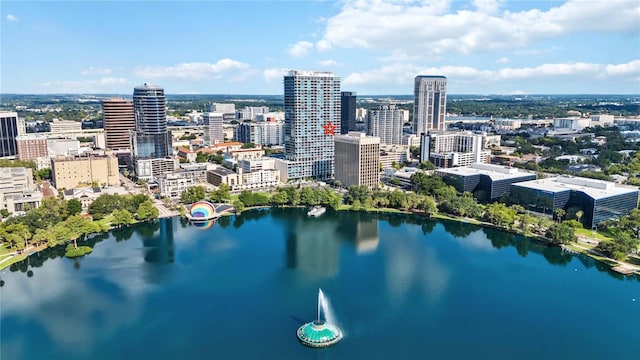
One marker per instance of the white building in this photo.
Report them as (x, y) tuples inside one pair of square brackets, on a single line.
[(386, 123), (220, 108), (63, 126), (601, 120), (571, 123), (213, 133), (393, 154), (17, 190), (430, 104), (449, 149)]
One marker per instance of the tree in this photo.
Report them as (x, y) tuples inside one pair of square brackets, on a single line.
[(74, 207), (122, 217), (500, 215), (559, 213), (561, 234), (579, 215), (357, 192), (428, 205), (238, 205), (193, 194), (427, 165), (146, 211), (222, 194), (397, 199), (280, 198)]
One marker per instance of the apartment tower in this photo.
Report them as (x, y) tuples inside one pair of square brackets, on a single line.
[(386, 123), (312, 118), (430, 104)]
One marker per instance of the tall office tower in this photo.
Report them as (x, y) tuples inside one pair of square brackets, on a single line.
[(430, 104), (347, 112), (386, 123), (312, 115), (119, 119), (213, 133), (10, 127), (151, 144), (357, 159)]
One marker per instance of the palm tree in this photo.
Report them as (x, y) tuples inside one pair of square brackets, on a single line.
[(579, 215), (559, 213)]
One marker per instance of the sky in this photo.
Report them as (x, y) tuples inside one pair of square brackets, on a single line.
[(376, 47)]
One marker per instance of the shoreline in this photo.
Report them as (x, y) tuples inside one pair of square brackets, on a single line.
[(620, 267)]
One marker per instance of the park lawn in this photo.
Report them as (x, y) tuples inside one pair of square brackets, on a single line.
[(591, 234), (13, 260), (4, 251)]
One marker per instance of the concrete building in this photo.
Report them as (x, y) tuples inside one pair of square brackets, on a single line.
[(599, 200), (172, 185), (65, 126), (393, 154), (10, 127), (312, 118), (385, 122), (68, 171), (347, 111), (252, 112), (430, 104), (85, 195), (149, 169), (449, 149), (507, 124), (260, 178), (357, 159), (260, 133), (571, 123), (119, 120), (488, 182), (17, 190), (31, 147), (213, 133), (220, 108), (601, 120)]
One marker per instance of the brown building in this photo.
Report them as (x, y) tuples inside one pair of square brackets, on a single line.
[(357, 159), (68, 172), (118, 119), (31, 147)]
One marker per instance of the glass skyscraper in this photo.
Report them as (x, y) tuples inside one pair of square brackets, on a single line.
[(312, 118), (151, 139), (430, 104), (10, 127), (347, 111)]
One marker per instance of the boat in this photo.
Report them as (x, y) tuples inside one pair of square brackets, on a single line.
[(317, 211)]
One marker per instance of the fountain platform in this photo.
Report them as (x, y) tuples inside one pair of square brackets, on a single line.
[(319, 333)]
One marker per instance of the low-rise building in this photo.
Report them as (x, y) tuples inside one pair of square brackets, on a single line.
[(172, 185), (17, 191), (69, 171), (488, 182), (240, 180), (599, 200), (85, 195), (450, 149), (393, 154), (62, 126)]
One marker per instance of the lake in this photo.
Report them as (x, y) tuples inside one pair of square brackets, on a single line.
[(400, 286)]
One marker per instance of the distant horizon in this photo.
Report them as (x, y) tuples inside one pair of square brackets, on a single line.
[(357, 94)]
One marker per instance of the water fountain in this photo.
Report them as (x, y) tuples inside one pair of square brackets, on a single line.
[(320, 333)]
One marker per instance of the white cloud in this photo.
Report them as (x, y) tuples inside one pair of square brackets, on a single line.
[(328, 63), (402, 74), (103, 85), (503, 60), (11, 17), (300, 49), (429, 28), (195, 70), (274, 74), (96, 71)]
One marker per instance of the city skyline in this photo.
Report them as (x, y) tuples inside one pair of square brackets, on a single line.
[(374, 46)]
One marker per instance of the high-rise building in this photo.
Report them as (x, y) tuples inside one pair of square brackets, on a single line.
[(151, 141), (386, 123), (347, 112), (10, 127), (119, 120), (312, 117), (430, 104), (357, 159), (449, 149), (261, 133), (213, 133)]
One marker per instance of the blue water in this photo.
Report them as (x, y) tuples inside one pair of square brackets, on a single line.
[(402, 287)]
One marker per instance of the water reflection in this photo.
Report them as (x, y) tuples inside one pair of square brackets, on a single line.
[(363, 234)]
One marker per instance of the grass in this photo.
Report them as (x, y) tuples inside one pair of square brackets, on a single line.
[(591, 234), (13, 260)]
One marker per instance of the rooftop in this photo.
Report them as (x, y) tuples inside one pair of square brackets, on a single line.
[(596, 189), (494, 172)]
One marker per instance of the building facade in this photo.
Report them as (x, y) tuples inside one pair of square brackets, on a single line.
[(151, 139), (449, 149), (347, 112), (385, 123), (312, 118), (119, 120), (17, 190), (213, 133), (32, 147), (10, 127), (69, 171), (357, 159), (261, 133), (599, 200), (430, 104)]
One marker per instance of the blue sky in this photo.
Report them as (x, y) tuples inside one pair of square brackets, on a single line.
[(375, 46)]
